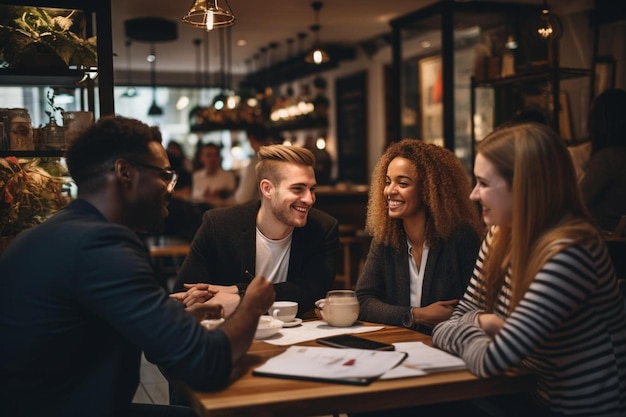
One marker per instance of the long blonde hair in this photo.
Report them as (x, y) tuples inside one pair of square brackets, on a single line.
[(548, 211), (444, 188)]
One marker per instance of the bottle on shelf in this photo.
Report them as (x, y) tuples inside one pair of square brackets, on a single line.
[(53, 134)]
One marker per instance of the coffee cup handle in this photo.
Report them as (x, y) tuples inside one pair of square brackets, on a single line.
[(276, 313)]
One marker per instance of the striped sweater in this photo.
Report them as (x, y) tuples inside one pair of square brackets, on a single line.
[(569, 329)]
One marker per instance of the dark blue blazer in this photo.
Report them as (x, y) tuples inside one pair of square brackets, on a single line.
[(79, 301)]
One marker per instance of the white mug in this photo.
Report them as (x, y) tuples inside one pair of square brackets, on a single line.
[(284, 311), (340, 308)]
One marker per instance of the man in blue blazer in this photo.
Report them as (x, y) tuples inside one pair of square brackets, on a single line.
[(80, 301)]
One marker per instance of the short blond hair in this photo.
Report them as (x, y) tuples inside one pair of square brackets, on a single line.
[(272, 156)]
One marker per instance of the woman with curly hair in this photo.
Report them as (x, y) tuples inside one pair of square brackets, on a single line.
[(425, 237)]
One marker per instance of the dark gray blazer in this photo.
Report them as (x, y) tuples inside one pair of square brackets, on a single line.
[(383, 288), (225, 247)]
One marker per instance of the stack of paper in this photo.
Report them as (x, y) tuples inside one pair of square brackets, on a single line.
[(422, 360), (311, 330), (348, 366)]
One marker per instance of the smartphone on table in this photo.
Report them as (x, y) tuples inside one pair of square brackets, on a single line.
[(346, 341)]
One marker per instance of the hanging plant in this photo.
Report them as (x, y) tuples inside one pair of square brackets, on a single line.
[(36, 31)]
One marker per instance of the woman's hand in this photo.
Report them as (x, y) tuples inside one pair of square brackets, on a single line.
[(434, 313), (490, 323)]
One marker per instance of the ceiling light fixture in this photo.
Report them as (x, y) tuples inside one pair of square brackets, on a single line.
[(549, 27), (131, 91), (208, 15), (151, 29), (317, 54), (154, 109)]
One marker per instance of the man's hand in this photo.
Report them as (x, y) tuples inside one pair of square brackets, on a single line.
[(226, 300), (242, 324), (259, 296), (231, 289), (206, 311), (434, 313), (196, 293)]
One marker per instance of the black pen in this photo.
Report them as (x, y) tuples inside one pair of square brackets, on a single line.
[(249, 275)]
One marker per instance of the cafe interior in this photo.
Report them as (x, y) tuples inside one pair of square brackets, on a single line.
[(348, 77)]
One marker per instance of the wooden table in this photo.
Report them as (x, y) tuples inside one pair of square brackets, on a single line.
[(168, 254), (162, 246), (178, 249), (261, 396)]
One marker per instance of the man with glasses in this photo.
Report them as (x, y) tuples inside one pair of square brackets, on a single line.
[(80, 302)]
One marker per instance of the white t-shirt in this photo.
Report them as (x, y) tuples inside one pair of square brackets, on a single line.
[(272, 257), (201, 182), (417, 275), (248, 189)]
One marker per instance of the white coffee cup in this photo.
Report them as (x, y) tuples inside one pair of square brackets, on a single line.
[(340, 308), (268, 326), (211, 324), (284, 311)]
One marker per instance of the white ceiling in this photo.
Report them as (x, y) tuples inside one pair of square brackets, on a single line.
[(259, 23)]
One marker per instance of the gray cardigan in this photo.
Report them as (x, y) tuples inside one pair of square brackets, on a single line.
[(383, 287)]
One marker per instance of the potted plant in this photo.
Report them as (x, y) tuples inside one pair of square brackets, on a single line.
[(28, 194), (29, 33)]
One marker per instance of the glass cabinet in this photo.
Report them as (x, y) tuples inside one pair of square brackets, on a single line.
[(437, 53), (64, 53)]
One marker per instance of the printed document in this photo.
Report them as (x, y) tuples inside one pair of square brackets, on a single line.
[(350, 366)]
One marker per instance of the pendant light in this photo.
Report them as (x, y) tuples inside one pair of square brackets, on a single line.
[(219, 102), (208, 15), (131, 91), (196, 43), (549, 27), (154, 109), (317, 55)]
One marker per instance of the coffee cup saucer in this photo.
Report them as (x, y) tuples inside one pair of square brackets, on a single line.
[(295, 322)]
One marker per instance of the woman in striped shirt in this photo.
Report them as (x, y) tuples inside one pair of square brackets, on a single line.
[(543, 293)]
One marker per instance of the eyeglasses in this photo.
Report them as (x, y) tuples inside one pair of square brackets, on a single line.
[(169, 175)]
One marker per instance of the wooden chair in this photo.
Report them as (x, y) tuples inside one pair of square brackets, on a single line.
[(354, 247)]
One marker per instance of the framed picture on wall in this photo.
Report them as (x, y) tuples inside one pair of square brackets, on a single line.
[(431, 90), (351, 99)]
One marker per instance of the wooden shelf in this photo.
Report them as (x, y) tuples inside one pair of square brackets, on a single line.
[(45, 77), (301, 123), (33, 154), (538, 75)]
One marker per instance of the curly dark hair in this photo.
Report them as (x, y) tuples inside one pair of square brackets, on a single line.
[(90, 155), (444, 186)]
